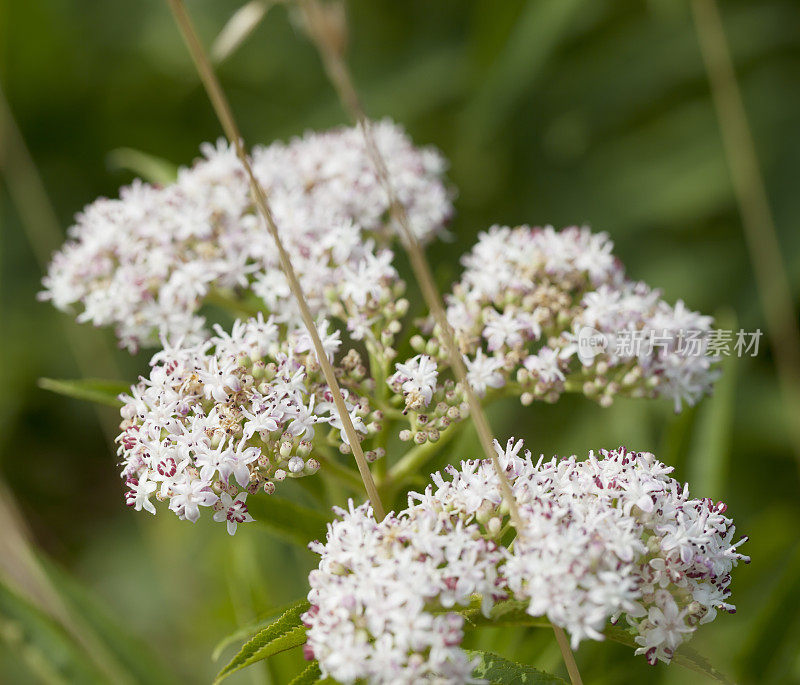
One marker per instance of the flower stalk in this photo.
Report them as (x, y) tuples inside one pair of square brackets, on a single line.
[(771, 279), (327, 29), (225, 115)]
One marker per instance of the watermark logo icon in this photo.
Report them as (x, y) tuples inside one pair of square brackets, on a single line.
[(591, 342)]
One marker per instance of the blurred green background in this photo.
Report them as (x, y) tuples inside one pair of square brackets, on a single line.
[(551, 111)]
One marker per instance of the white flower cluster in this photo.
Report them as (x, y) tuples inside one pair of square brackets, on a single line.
[(370, 617), (527, 298), (219, 419), (145, 263), (608, 537)]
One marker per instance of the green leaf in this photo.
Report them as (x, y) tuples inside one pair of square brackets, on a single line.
[(291, 521), (509, 613), (285, 633), (148, 167), (246, 631), (500, 671), (132, 657), (311, 674), (48, 650), (684, 656), (96, 390)]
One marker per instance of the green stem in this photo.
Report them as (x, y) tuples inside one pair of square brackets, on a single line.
[(413, 460), (341, 473)]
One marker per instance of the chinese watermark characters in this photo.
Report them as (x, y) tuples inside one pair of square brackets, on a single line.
[(716, 343)]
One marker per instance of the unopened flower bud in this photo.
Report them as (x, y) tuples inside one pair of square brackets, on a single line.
[(417, 343)]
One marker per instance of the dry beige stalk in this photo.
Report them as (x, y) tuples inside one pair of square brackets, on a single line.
[(772, 281), (327, 28), (226, 118)]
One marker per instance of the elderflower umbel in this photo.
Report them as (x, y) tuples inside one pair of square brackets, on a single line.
[(226, 417), (370, 617), (526, 297), (146, 263), (608, 538)]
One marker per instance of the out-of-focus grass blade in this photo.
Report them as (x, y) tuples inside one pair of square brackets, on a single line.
[(710, 448), (537, 32), (773, 637), (43, 644), (96, 390), (238, 28), (135, 656), (146, 166)]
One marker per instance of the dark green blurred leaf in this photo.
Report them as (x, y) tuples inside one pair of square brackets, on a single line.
[(131, 653), (285, 633), (90, 389), (43, 644), (500, 671), (289, 520)]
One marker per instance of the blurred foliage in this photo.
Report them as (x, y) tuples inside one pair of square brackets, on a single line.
[(551, 111)]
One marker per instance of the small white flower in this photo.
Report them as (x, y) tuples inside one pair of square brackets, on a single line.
[(189, 494), (417, 380), (545, 365), (234, 511), (484, 372), (139, 495)]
